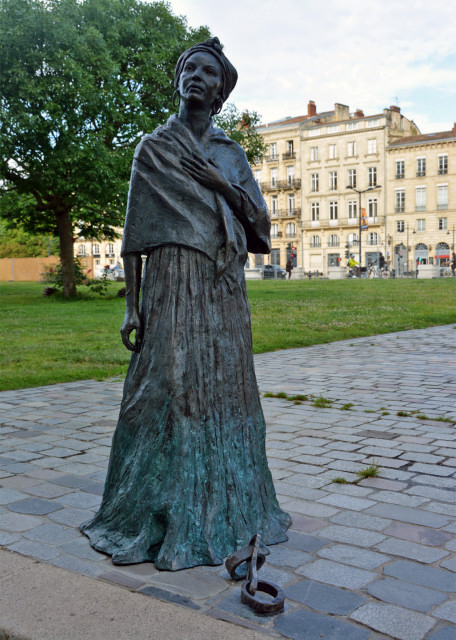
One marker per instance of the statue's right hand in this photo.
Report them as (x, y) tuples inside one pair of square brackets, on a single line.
[(132, 322)]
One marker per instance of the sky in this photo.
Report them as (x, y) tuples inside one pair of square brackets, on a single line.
[(365, 54)]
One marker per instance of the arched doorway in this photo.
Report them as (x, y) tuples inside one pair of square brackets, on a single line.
[(442, 254), (400, 259), (421, 254)]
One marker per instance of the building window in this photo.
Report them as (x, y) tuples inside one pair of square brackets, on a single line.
[(97, 262), (420, 167), (372, 239), (372, 207), (274, 205), (372, 145), (313, 153), (421, 225), (96, 249), (400, 226), (333, 128), (275, 256), (352, 126), (289, 146), (333, 180), (372, 177), (443, 163), (372, 123), (273, 175), (332, 151), (333, 207), (110, 249), (82, 250), (400, 200), (400, 169), (290, 175), (352, 239), (352, 177), (315, 241), (443, 224), (274, 230), (273, 150), (352, 209), (314, 182), (291, 204), (314, 132), (351, 149), (315, 211), (442, 196), (421, 198), (290, 230), (333, 240), (258, 176)]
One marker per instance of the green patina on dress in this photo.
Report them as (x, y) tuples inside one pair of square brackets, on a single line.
[(188, 481)]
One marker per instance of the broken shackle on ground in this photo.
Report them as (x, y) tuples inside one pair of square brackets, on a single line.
[(253, 557)]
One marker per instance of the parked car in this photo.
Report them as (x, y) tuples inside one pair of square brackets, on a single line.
[(270, 271)]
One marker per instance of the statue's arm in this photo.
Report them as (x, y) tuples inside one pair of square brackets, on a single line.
[(132, 320)]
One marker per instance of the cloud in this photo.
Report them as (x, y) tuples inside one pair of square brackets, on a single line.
[(361, 54)]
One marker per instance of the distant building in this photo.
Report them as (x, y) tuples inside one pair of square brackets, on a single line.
[(304, 178), (96, 255)]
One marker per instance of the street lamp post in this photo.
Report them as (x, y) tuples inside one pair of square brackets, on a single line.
[(359, 192)]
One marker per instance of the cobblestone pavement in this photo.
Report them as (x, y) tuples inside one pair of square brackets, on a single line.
[(365, 561)]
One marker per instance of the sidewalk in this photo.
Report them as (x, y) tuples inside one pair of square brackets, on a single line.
[(374, 560)]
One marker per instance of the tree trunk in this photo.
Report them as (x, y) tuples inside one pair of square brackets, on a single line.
[(65, 230)]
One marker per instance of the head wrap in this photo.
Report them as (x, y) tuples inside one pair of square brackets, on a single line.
[(212, 46)]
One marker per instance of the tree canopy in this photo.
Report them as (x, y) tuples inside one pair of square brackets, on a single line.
[(80, 82), (241, 127)]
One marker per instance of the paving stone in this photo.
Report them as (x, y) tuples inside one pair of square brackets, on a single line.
[(382, 483), (34, 549), (307, 625), (395, 621), (414, 533), (297, 491), (354, 556), (393, 497), (445, 633), (77, 565), (349, 490), (10, 495), (324, 598), (351, 535), (393, 463), (431, 469), (306, 524), (47, 490), (232, 604), (339, 575), (405, 514), (190, 583), (283, 556), (431, 492), (309, 508), (306, 481), (71, 517), (120, 578), (435, 481), (428, 458), (347, 502), (411, 550), (13, 522), (35, 506), (81, 500), (449, 564), (447, 611), (361, 520), (8, 538), (303, 542), (52, 534), (80, 547), (406, 594), (417, 573)]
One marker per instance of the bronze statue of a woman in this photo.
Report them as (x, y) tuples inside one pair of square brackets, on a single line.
[(188, 481)]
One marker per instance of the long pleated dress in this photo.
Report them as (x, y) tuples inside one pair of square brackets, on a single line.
[(188, 481)]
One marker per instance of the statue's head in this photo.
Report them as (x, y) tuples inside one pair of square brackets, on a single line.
[(210, 50)]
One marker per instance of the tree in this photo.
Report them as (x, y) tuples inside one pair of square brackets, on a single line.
[(80, 83), (241, 127), (17, 243)]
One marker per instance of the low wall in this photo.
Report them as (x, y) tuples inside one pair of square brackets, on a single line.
[(24, 269)]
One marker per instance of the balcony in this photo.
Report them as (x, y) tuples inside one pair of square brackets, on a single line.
[(442, 205), (443, 171), (276, 236), (289, 213), (290, 235), (399, 176), (290, 184), (110, 255), (289, 155), (420, 174), (269, 186), (420, 207), (400, 209), (273, 158)]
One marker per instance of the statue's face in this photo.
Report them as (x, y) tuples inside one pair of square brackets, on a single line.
[(201, 79)]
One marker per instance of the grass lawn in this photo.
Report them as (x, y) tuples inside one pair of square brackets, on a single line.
[(48, 340)]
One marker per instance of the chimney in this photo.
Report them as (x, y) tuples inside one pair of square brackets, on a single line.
[(359, 113), (342, 112), (394, 108), (311, 109), (454, 127)]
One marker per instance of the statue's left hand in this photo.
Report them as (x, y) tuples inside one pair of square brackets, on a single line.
[(205, 173)]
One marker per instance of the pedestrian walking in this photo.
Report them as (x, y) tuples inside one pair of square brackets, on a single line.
[(289, 267)]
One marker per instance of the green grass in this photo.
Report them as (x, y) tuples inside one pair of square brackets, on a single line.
[(372, 471), (49, 340)]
